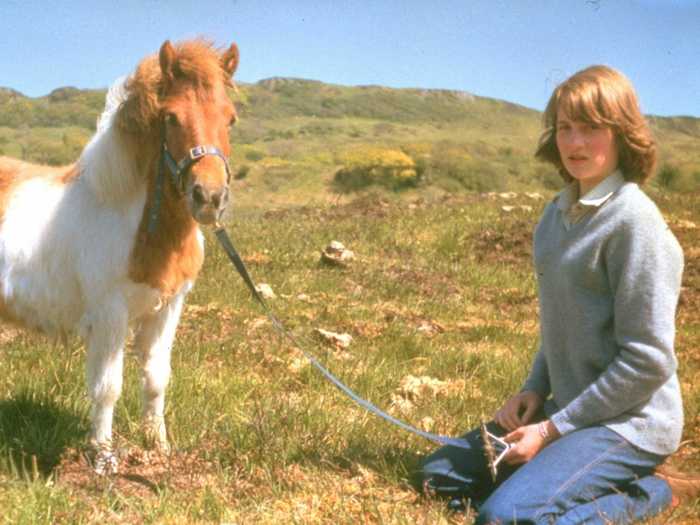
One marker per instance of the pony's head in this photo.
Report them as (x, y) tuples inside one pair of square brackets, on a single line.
[(180, 97)]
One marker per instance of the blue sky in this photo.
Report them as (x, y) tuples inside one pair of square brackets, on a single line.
[(515, 50)]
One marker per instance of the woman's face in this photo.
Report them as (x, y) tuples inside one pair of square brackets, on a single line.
[(588, 151)]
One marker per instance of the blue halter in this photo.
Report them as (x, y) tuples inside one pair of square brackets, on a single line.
[(178, 171)]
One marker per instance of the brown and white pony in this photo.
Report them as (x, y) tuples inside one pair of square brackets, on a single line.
[(77, 255)]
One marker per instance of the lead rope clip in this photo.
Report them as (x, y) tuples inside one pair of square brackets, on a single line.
[(495, 449)]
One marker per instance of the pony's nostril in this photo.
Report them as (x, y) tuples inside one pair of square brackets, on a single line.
[(198, 194), (218, 198)]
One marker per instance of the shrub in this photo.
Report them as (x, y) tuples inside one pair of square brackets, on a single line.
[(451, 166), (668, 176), (254, 155), (365, 166), (472, 175), (672, 177), (46, 151), (242, 172), (74, 140)]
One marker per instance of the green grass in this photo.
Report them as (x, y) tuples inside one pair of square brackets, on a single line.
[(259, 436), (442, 287)]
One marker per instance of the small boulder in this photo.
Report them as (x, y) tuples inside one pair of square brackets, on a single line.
[(265, 291), (336, 254), (337, 340)]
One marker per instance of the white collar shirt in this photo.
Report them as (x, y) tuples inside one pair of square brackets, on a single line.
[(573, 209)]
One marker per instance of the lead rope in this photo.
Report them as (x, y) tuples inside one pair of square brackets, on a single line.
[(228, 247)]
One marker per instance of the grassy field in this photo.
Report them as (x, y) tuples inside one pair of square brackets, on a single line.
[(441, 305)]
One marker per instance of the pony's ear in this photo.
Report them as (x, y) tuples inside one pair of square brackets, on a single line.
[(229, 60), (167, 62)]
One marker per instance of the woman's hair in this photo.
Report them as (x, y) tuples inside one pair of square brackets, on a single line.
[(603, 96)]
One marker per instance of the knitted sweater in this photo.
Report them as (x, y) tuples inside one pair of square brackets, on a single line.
[(608, 289)]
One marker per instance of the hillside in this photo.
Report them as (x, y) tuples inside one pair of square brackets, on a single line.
[(294, 134)]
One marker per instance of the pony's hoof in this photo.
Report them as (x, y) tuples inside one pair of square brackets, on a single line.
[(103, 459), (161, 447), (156, 435), (105, 463)]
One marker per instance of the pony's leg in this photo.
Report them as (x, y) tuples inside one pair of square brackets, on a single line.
[(105, 330), (153, 343)]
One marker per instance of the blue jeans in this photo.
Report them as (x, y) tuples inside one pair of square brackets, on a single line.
[(591, 476)]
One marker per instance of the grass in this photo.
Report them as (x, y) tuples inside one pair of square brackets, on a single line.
[(442, 287)]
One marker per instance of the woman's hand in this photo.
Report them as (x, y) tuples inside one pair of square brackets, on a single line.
[(528, 441), (518, 410)]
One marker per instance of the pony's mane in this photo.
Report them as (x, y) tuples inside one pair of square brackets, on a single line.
[(107, 164), (116, 96), (196, 62), (199, 62)]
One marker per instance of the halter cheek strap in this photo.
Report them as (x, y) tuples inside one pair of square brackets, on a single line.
[(178, 172)]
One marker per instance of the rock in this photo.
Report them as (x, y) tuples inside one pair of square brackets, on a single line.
[(522, 207), (412, 387), (689, 225), (337, 254), (427, 423), (534, 196), (430, 328), (508, 195), (265, 291), (337, 340)]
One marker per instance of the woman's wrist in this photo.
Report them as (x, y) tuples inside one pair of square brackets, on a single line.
[(548, 432)]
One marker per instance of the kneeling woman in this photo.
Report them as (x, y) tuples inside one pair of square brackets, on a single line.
[(601, 407)]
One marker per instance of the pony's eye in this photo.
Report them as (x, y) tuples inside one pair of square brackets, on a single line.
[(171, 119)]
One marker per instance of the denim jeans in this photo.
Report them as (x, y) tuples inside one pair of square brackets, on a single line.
[(591, 476)]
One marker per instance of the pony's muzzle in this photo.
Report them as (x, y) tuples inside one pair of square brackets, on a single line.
[(202, 197), (208, 204)]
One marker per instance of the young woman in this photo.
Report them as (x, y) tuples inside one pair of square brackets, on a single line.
[(601, 407)]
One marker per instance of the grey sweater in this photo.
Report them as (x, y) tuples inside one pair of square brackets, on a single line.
[(608, 288)]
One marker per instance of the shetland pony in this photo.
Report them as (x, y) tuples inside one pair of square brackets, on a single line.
[(78, 252)]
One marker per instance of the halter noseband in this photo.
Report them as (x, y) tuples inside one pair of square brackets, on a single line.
[(178, 171)]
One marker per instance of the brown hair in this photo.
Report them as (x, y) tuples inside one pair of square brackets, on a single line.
[(601, 95)]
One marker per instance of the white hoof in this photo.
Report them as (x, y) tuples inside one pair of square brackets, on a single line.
[(156, 435), (105, 463), (102, 458)]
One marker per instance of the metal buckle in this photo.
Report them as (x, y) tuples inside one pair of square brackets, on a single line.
[(198, 152)]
